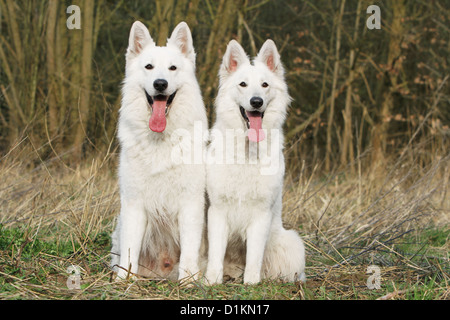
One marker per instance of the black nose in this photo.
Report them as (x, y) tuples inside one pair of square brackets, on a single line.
[(256, 102), (160, 85)]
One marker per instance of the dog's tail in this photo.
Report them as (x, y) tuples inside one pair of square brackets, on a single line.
[(284, 257)]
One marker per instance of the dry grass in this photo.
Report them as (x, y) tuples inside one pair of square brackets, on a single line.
[(389, 220), (53, 216)]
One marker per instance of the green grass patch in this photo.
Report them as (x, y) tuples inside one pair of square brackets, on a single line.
[(35, 267)]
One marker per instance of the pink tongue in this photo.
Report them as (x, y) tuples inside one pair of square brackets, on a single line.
[(157, 121), (255, 133)]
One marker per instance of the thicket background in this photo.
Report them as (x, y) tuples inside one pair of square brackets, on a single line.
[(354, 89), (367, 140)]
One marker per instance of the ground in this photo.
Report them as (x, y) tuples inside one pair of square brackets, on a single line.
[(53, 217)]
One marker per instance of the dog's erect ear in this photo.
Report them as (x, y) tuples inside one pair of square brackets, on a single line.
[(139, 39), (234, 57), (182, 39), (270, 57)]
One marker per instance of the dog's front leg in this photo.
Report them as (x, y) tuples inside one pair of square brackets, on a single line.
[(257, 235), (190, 221), (133, 223), (217, 244)]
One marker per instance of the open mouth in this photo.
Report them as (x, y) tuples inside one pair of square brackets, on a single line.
[(161, 98), (253, 120), (160, 105)]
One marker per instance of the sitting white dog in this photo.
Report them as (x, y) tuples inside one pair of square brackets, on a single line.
[(161, 221), (245, 171)]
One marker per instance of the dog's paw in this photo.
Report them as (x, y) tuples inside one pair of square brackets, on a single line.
[(251, 278)]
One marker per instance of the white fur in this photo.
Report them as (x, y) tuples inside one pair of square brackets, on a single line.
[(159, 229), (244, 218)]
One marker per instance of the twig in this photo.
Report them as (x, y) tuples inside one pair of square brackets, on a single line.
[(392, 295)]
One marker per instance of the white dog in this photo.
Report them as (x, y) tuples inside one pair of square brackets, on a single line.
[(161, 221), (245, 171)]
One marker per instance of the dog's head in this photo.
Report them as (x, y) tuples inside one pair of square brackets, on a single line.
[(254, 87), (159, 71)]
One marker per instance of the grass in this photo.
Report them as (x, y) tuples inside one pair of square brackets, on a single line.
[(32, 268), (53, 216)]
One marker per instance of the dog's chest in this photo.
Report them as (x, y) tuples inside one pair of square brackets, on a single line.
[(241, 184), (162, 184)]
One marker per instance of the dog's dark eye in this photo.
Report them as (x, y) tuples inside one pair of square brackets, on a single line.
[(173, 68), (243, 84), (265, 85), (149, 67)]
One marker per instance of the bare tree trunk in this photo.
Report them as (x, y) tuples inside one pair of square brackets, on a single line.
[(333, 90), (321, 106), (224, 21), (61, 48), (10, 94), (51, 67), (192, 13), (379, 133), (185, 10), (15, 31), (37, 25), (347, 138), (86, 76), (164, 10)]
